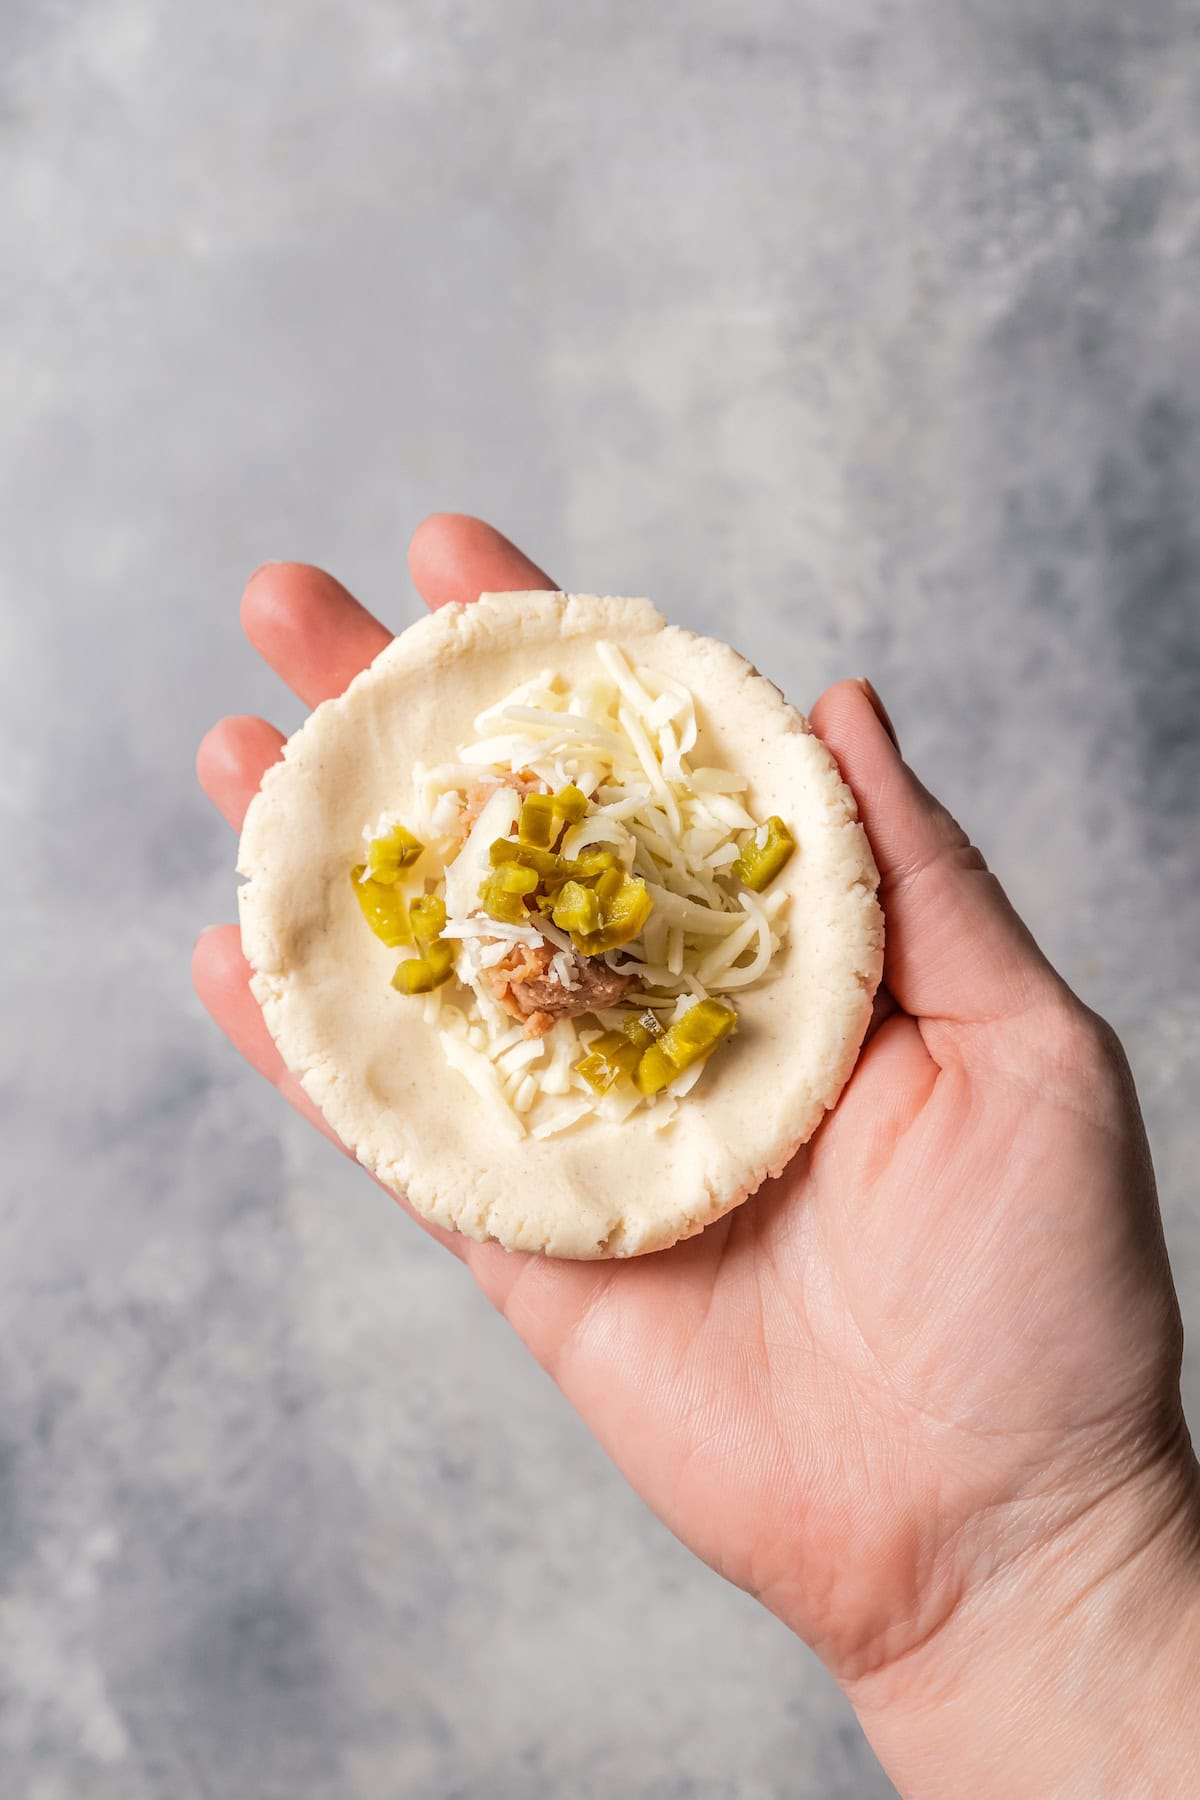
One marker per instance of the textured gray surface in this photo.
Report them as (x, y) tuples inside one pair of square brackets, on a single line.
[(865, 334)]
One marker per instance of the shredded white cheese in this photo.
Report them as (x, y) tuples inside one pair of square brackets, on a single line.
[(623, 737)]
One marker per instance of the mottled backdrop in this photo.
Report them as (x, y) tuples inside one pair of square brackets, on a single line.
[(864, 333)]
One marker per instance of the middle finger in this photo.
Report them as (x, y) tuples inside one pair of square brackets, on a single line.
[(313, 632)]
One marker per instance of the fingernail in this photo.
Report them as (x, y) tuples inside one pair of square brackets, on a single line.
[(272, 563), (879, 709)]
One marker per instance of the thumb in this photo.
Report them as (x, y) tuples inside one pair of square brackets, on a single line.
[(954, 947)]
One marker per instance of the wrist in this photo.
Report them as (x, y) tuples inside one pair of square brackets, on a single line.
[(1073, 1670)]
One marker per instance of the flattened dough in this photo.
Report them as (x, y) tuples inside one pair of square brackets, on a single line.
[(375, 1067)]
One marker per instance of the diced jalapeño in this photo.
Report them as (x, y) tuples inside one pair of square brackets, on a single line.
[(571, 803), (625, 906), (503, 893), (421, 974), (388, 856), (643, 1030), (655, 1070), (688, 1041), (609, 1057), (539, 823), (544, 817), (427, 915), (760, 863), (384, 908), (700, 1030), (434, 961), (548, 864), (576, 908), (585, 867)]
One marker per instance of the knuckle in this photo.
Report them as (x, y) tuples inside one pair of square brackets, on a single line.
[(1077, 1041)]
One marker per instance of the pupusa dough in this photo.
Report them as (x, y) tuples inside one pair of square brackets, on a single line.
[(375, 1066)]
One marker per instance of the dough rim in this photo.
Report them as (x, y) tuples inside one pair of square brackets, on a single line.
[(451, 642)]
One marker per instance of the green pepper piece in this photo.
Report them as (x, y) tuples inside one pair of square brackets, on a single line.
[(643, 1030), (609, 1057), (385, 910), (539, 823), (654, 1072), (688, 1041), (544, 817), (387, 856), (515, 878), (501, 904), (427, 915), (700, 1030), (421, 974), (529, 856), (587, 867), (503, 893), (549, 865), (570, 803), (625, 906), (591, 864), (759, 864), (576, 908), (608, 887)]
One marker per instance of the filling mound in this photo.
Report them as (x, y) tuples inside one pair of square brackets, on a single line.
[(577, 904)]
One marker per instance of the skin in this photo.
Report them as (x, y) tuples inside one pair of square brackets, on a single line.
[(921, 1394)]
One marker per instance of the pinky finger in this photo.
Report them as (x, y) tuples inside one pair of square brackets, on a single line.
[(221, 976), (232, 759), (222, 980)]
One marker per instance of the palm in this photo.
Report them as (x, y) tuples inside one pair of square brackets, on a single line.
[(828, 1393), (834, 1392)]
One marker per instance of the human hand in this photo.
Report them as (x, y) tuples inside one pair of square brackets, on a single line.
[(920, 1395)]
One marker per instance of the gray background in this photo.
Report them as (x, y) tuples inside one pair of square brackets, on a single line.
[(864, 333)]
